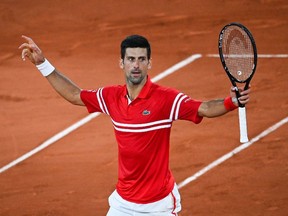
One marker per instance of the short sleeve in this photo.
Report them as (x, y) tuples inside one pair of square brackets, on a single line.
[(189, 110), (89, 98)]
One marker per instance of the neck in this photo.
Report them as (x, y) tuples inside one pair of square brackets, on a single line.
[(134, 90)]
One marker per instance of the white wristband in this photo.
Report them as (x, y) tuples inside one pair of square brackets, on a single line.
[(45, 68)]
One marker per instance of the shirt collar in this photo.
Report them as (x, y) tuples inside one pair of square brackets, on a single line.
[(146, 88)]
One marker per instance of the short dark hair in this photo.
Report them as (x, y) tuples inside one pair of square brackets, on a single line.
[(134, 41)]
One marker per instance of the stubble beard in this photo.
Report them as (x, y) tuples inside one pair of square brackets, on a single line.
[(135, 80)]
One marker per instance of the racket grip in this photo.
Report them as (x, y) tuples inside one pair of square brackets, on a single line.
[(243, 125)]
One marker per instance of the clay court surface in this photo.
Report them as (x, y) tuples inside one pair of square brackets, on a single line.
[(75, 175)]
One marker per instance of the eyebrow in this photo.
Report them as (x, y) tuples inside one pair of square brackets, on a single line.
[(135, 57)]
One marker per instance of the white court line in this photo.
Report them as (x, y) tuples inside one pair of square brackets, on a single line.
[(232, 153), (50, 141), (88, 118), (259, 55), (176, 67)]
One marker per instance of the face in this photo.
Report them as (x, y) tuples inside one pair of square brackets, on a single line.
[(135, 65)]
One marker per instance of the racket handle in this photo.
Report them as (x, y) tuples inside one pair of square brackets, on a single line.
[(243, 124)]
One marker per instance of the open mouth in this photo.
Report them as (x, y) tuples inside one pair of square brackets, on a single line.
[(136, 73)]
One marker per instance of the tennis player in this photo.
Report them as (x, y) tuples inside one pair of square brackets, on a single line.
[(142, 114)]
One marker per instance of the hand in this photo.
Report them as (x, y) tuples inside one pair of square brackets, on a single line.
[(244, 95), (31, 51)]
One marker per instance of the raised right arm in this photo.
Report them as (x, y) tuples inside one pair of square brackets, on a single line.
[(62, 84)]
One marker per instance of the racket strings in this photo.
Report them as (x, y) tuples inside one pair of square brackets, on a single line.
[(238, 53)]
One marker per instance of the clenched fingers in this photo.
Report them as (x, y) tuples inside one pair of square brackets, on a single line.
[(244, 98), (25, 53)]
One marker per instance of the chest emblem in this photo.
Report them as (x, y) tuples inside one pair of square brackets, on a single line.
[(146, 112)]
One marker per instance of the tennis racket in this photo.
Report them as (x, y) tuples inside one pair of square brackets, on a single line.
[(238, 54)]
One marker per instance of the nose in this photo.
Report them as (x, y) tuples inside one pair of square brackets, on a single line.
[(136, 64)]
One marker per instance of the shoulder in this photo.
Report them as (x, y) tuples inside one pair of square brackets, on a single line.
[(114, 88), (168, 92), (104, 91), (107, 89), (112, 92)]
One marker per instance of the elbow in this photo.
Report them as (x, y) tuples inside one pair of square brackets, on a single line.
[(74, 102), (207, 110), (203, 110), (75, 98)]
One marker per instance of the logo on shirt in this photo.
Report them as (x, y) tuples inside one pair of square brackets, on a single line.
[(146, 112)]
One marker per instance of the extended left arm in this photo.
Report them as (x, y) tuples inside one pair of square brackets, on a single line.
[(218, 107)]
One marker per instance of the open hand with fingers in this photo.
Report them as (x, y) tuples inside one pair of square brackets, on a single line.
[(31, 51)]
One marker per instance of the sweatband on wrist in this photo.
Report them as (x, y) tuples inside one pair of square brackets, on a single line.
[(229, 105), (45, 68)]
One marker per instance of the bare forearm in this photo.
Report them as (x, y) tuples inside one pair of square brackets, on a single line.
[(65, 87), (62, 84), (218, 107), (212, 108)]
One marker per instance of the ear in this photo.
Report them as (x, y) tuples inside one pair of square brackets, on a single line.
[(150, 64), (121, 63)]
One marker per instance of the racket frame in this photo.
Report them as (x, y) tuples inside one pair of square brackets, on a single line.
[(241, 109), (233, 79)]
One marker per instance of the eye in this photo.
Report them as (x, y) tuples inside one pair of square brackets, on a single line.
[(131, 59), (141, 59)]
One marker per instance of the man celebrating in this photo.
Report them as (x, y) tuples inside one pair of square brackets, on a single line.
[(142, 114)]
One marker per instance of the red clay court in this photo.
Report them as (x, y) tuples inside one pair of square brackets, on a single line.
[(76, 174)]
